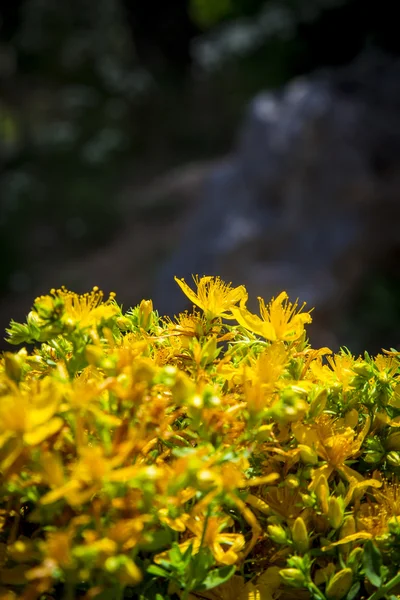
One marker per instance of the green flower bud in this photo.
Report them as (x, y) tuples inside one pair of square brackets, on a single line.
[(363, 369), (351, 418), (292, 482), (13, 366), (300, 537), (322, 493), (308, 455), (393, 441), (144, 314), (339, 585), (393, 458), (277, 534), (293, 577), (348, 528), (335, 511)]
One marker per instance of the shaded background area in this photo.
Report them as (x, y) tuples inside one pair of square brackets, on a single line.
[(117, 116)]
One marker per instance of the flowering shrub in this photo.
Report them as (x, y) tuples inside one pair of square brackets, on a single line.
[(214, 456)]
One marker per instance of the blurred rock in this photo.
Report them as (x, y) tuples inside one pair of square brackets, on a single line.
[(309, 199)]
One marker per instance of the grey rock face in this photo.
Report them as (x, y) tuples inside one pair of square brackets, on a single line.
[(309, 199)]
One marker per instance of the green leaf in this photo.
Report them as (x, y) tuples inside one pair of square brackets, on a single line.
[(217, 577), (353, 592), (372, 562), (158, 571)]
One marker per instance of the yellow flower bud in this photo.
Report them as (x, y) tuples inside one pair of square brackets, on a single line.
[(300, 536), (129, 573), (322, 493), (351, 418), (363, 369), (145, 310), (293, 577), (335, 511), (277, 534), (123, 323), (308, 455), (13, 366), (339, 585), (393, 458), (348, 528), (393, 441), (292, 482)]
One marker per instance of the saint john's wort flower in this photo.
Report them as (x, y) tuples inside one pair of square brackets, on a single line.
[(213, 296), (279, 320)]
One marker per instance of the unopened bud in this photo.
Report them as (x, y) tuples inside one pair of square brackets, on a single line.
[(335, 511), (277, 534), (393, 458), (300, 536), (339, 585), (293, 577), (351, 418), (322, 493), (13, 366), (393, 441), (145, 311), (292, 482), (348, 528), (363, 369), (129, 574), (308, 455)]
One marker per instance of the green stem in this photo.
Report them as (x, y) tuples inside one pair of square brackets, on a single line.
[(316, 591), (382, 591)]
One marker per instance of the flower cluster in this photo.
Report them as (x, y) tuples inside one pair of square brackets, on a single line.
[(215, 455)]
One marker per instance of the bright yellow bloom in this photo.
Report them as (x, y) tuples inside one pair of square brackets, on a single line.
[(339, 372), (83, 310), (213, 296), (373, 517), (334, 444), (208, 531), (280, 319), (30, 413)]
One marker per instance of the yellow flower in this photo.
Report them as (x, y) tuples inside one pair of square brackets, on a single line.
[(334, 443), (213, 296), (280, 319), (30, 413), (339, 372), (208, 532), (373, 516), (83, 310)]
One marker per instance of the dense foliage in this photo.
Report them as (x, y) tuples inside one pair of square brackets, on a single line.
[(215, 455)]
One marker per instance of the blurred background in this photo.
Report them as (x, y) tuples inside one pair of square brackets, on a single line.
[(254, 139)]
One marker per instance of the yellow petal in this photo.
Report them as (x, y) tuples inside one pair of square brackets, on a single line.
[(189, 292), (354, 537), (252, 322), (44, 431), (60, 492)]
